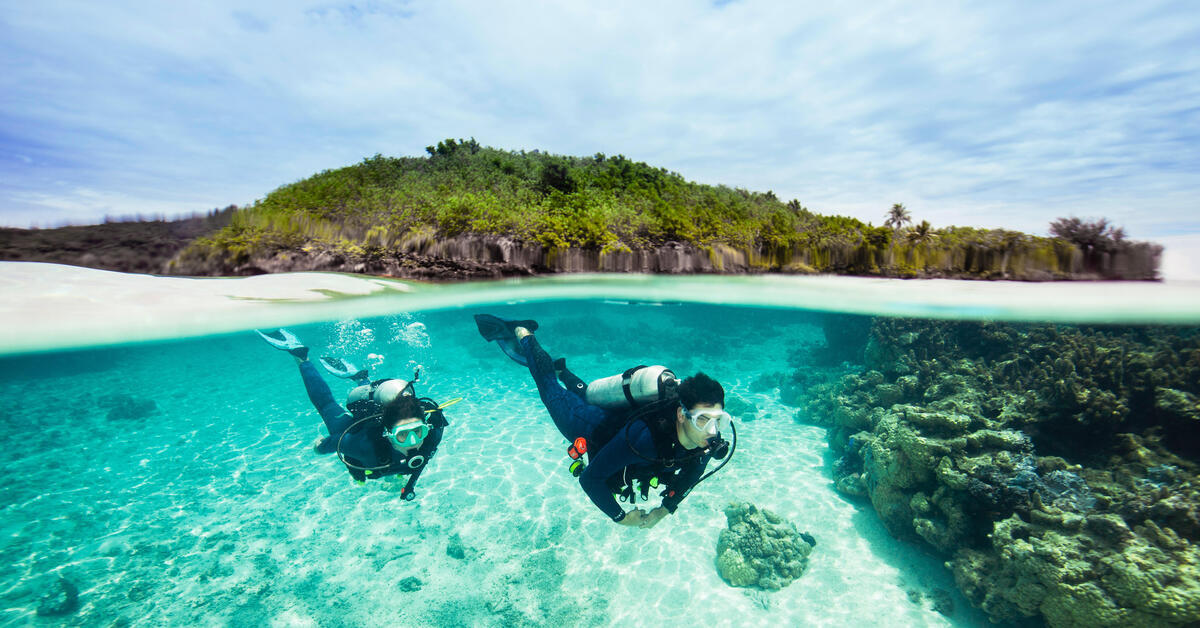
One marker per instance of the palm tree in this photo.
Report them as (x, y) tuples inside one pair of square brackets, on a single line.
[(921, 234), (897, 217)]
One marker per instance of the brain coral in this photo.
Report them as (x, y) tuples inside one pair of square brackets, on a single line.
[(760, 549)]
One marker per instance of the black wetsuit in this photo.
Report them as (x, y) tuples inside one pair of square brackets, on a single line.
[(364, 445), (617, 462)]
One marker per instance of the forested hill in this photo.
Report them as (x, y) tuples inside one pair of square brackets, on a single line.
[(607, 203), (470, 211)]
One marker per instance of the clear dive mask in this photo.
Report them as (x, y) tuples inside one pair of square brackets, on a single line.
[(406, 435), (710, 421)]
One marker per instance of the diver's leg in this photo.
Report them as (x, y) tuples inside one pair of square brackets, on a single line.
[(336, 418), (572, 416)]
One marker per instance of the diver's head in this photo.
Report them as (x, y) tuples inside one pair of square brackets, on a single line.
[(701, 414), (404, 422)]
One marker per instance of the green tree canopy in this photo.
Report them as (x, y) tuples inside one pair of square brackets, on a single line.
[(1091, 236)]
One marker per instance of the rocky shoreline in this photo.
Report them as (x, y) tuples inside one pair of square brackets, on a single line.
[(164, 248), (487, 257), (134, 246), (1054, 467)]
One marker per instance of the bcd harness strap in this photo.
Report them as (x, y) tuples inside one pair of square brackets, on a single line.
[(626, 383)]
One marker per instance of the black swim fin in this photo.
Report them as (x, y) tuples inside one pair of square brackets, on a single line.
[(500, 331)]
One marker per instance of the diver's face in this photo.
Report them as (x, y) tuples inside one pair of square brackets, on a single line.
[(698, 437), (407, 433)]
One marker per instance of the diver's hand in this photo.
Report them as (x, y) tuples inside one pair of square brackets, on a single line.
[(633, 518), (407, 494), (654, 516)]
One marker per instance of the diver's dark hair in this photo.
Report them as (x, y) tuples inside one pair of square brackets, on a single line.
[(402, 407), (700, 388)]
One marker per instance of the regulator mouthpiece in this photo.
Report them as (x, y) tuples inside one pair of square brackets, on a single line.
[(718, 448)]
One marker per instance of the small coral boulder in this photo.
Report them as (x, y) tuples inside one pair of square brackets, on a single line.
[(760, 549)]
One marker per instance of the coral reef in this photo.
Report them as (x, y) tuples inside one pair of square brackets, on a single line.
[(1083, 571), (760, 549), (1054, 465)]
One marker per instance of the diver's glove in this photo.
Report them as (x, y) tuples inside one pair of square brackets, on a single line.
[(407, 494)]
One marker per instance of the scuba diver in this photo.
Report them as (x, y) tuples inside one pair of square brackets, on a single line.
[(639, 430), (384, 430)]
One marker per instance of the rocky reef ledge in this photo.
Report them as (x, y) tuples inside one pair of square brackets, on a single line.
[(1056, 468), (467, 257)]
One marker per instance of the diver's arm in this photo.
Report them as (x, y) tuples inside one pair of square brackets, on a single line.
[(407, 493), (688, 474), (428, 448), (614, 457), (653, 517)]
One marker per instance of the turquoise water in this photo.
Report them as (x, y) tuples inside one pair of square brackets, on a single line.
[(171, 483), (213, 509)]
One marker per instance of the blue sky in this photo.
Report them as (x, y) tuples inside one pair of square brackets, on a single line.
[(1004, 114)]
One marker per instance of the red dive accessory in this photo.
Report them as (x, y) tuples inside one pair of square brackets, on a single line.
[(577, 448), (576, 451)]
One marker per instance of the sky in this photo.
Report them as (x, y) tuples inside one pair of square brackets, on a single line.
[(987, 114)]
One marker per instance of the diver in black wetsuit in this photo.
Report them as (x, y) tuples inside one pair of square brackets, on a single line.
[(666, 442), (387, 430)]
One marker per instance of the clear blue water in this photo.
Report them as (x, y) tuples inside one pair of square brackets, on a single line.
[(172, 483)]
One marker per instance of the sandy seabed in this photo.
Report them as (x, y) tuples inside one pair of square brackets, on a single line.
[(212, 509)]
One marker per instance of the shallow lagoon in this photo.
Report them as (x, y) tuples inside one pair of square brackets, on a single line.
[(210, 508)]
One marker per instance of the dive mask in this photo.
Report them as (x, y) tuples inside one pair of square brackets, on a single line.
[(708, 420), (407, 434)]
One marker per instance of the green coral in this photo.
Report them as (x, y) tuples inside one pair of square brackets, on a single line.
[(1056, 466), (759, 549), (1102, 575)]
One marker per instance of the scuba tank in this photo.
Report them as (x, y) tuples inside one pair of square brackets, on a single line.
[(636, 386), (371, 398)]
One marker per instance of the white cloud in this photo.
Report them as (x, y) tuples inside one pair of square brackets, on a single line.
[(1000, 115)]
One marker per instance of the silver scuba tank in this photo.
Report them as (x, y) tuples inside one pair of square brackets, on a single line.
[(372, 397), (636, 386)]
